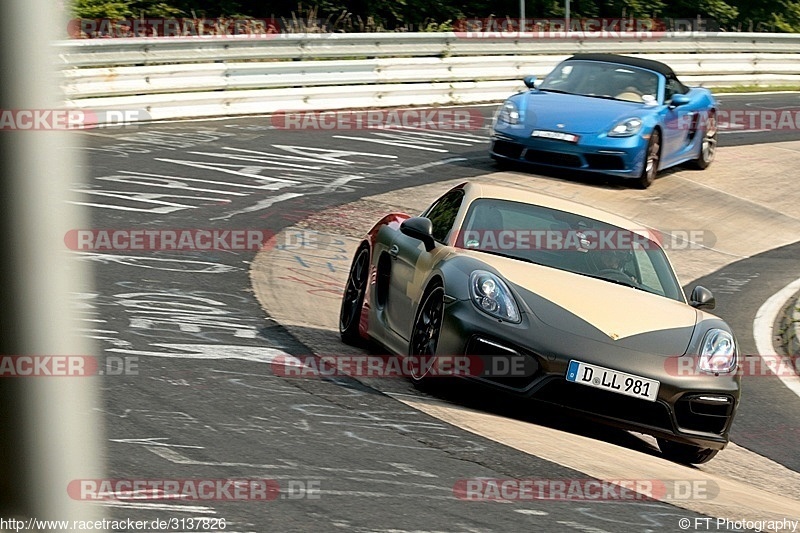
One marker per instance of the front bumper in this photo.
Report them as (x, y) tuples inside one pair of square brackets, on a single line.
[(696, 410), (618, 156)]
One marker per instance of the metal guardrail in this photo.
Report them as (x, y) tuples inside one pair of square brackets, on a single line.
[(149, 51), (202, 76)]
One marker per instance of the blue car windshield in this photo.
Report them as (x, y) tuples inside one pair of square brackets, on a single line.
[(566, 241), (603, 80)]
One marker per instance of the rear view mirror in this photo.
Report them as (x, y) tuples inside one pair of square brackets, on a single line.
[(419, 228), (530, 82), (702, 298)]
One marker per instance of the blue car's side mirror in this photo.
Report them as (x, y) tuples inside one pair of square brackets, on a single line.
[(679, 99), (530, 82)]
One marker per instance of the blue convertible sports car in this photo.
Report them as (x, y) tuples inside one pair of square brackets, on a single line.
[(625, 116)]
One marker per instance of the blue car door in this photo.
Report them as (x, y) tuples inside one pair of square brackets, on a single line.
[(681, 123)]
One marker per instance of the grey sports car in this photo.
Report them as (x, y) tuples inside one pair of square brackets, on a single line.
[(588, 300)]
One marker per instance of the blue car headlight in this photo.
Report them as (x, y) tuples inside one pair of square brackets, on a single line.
[(718, 352), (509, 113), (491, 295), (626, 128)]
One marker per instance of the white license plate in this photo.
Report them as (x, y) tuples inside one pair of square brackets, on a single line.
[(612, 380), (557, 135)]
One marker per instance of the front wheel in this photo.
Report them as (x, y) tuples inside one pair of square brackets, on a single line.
[(425, 335), (353, 297), (708, 148), (652, 157), (685, 453)]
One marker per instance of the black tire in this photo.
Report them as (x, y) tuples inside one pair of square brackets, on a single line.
[(426, 331), (353, 297), (685, 453), (708, 148), (651, 159)]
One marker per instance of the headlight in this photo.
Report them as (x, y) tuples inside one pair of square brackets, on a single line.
[(508, 113), (718, 354), (626, 128), (492, 296)]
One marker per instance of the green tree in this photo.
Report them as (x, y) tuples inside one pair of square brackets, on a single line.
[(719, 10), (642, 8), (782, 15), (97, 9), (788, 19), (156, 8), (121, 9)]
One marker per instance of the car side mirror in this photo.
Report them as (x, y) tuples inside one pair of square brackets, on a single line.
[(530, 82), (678, 100), (702, 298), (420, 228)]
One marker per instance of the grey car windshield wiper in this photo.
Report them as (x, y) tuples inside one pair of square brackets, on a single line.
[(492, 252), (631, 284)]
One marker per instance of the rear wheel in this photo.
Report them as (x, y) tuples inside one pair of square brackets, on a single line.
[(425, 335), (353, 297), (708, 148), (685, 453), (651, 159)]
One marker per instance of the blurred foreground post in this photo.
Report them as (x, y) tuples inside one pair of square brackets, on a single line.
[(49, 432)]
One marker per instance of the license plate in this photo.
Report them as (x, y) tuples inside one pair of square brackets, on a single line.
[(557, 135), (613, 380)]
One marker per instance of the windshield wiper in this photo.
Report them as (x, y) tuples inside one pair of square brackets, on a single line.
[(555, 91), (631, 284), (604, 97)]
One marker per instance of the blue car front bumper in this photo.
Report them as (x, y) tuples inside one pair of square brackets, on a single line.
[(618, 156)]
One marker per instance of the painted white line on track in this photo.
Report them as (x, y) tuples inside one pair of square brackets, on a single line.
[(742, 131), (757, 93), (132, 504), (763, 331), (398, 144)]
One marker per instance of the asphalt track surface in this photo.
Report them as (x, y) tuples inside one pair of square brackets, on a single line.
[(203, 403)]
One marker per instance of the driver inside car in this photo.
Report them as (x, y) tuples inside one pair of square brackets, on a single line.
[(614, 260)]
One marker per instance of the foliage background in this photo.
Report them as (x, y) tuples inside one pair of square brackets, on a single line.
[(432, 15)]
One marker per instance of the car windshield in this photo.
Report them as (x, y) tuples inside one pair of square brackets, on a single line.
[(603, 80), (566, 241)]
